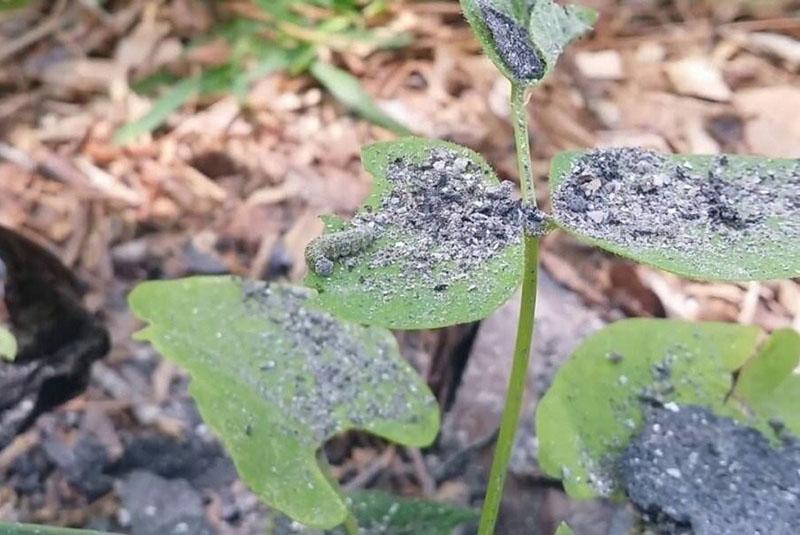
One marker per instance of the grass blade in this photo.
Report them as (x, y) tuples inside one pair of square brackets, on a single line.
[(161, 110), (348, 90)]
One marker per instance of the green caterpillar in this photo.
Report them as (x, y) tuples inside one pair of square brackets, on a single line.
[(321, 252)]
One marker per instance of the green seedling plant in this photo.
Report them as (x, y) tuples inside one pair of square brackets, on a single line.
[(277, 35), (440, 241), (277, 370)]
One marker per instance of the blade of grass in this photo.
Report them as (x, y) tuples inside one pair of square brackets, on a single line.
[(348, 90), (228, 78), (176, 97)]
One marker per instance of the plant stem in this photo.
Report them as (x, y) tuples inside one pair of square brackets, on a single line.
[(522, 347), (351, 524), (519, 115)]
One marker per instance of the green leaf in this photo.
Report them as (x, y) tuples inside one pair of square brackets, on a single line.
[(347, 90), (434, 258), (768, 388), (563, 529), (594, 406), (162, 108), (705, 217), (378, 512), (18, 528), (227, 78), (8, 345), (13, 4), (524, 38), (275, 377), (149, 85), (552, 27)]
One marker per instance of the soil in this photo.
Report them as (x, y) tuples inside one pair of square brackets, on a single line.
[(690, 471)]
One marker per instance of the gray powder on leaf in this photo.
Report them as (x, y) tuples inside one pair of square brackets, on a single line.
[(640, 199), (513, 44), (440, 220), (690, 471), (323, 372)]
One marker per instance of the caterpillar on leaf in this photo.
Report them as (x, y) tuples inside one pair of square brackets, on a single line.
[(321, 252)]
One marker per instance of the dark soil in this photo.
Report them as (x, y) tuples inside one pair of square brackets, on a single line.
[(690, 471)]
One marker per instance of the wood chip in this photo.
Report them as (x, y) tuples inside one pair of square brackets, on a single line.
[(698, 77), (601, 65), (772, 128), (776, 45)]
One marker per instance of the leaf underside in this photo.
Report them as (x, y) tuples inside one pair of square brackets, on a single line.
[(705, 217), (596, 403), (446, 243), (275, 377)]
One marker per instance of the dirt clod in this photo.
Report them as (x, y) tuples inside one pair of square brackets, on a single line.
[(690, 471)]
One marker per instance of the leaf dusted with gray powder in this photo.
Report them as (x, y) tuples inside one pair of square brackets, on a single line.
[(275, 377), (448, 245), (525, 38), (690, 471), (513, 44), (597, 401), (321, 253), (707, 217)]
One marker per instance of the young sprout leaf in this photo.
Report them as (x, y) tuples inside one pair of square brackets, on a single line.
[(552, 27), (597, 402), (524, 38), (275, 377), (438, 242), (769, 387), (512, 44), (705, 217), (8, 345), (18, 528), (378, 512)]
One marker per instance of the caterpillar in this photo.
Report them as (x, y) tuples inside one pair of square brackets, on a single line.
[(322, 251)]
